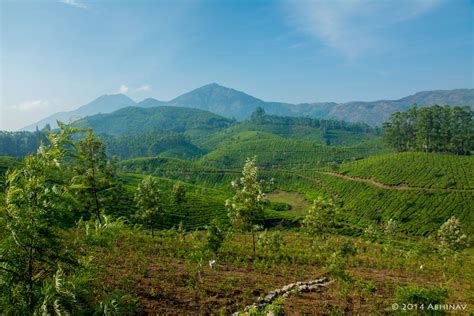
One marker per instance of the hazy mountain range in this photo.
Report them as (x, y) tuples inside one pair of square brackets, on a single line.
[(231, 103)]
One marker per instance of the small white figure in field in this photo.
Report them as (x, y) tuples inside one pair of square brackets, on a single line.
[(421, 267), (212, 264)]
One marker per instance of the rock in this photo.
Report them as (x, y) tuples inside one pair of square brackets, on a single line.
[(304, 288)]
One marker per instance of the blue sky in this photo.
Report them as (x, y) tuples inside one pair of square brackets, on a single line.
[(58, 55)]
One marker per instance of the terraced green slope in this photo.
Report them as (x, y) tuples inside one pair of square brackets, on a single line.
[(276, 151), (308, 133), (202, 205), (430, 170), (419, 211)]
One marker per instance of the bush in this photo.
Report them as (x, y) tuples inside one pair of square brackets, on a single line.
[(421, 296), (271, 242), (215, 236), (347, 249), (280, 206)]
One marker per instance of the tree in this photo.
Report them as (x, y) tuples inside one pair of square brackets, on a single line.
[(391, 227), (245, 209), (451, 236), (37, 204), (149, 203), (93, 174), (178, 196), (257, 116), (215, 236), (431, 129), (320, 217)]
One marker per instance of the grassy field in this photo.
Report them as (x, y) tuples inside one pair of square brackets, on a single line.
[(299, 205)]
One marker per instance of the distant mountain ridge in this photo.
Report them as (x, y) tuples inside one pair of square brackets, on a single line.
[(103, 104), (232, 103)]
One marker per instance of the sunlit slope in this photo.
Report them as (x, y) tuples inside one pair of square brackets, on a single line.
[(429, 170), (276, 151), (299, 132)]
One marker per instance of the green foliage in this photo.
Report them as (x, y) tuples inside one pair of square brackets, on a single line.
[(58, 296), (422, 296), (215, 236), (37, 205), (431, 129), (271, 242), (280, 206), (347, 249), (178, 194), (93, 174), (319, 219), (149, 202)]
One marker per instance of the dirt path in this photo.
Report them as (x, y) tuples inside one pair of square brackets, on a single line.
[(388, 187)]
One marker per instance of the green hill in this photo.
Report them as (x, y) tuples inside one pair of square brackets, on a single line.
[(151, 144), (276, 151), (336, 137), (430, 170), (198, 124)]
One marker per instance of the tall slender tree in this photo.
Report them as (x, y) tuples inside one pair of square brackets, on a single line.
[(37, 204), (93, 174), (149, 202), (245, 209)]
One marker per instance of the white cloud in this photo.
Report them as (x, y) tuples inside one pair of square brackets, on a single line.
[(123, 89), (144, 88), (74, 3), (352, 27), (31, 105)]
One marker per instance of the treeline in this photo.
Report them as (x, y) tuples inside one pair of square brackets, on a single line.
[(431, 129), (260, 117), (18, 144)]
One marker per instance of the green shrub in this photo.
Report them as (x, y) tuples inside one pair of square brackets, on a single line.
[(347, 249), (280, 206), (215, 236), (271, 242), (420, 296)]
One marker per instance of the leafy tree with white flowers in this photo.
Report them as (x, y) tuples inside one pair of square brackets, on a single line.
[(149, 202), (391, 227), (451, 235), (320, 217), (245, 209)]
